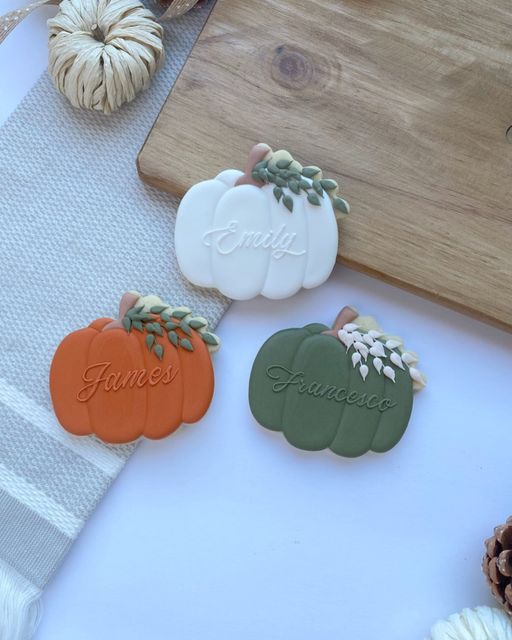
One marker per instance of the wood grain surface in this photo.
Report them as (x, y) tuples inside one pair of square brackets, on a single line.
[(406, 103)]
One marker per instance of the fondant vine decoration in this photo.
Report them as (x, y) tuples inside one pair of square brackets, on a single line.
[(387, 353), (162, 324), (283, 171)]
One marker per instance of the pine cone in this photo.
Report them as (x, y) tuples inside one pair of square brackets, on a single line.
[(497, 564)]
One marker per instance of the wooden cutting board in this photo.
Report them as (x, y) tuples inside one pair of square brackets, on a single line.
[(406, 103)]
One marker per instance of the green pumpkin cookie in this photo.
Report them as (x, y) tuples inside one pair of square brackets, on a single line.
[(348, 388)]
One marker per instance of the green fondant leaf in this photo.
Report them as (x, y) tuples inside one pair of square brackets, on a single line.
[(310, 172), (318, 188), (179, 314), (150, 341), (329, 185), (304, 184), (158, 329), (127, 324), (290, 174), (165, 316), (171, 326), (288, 203), (157, 309), (256, 175), (137, 324), (280, 182), (314, 199), (173, 338), (341, 205), (294, 186), (159, 351), (263, 175), (149, 327), (197, 324), (278, 193), (186, 344), (209, 338), (283, 164), (134, 310), (185, 328), (261, 165), (272, 168)]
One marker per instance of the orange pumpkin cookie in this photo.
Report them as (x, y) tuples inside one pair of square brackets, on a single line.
[(142, 375)]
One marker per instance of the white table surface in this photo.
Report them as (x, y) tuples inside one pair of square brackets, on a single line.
[(224, 532)]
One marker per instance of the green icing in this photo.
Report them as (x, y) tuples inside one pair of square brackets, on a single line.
[(269, 411), (311, 417), (359, 424), (394, 423), (304, 384)]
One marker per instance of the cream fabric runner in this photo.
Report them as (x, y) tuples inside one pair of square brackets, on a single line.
[(78, 229)]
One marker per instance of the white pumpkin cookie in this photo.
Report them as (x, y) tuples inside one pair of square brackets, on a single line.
[(268, 231)]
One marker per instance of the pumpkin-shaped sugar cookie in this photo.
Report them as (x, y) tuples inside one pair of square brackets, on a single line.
[(142, 375), (348, 389), (271, 230)]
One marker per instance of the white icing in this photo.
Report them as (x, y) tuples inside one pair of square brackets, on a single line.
[(322, 236), (351, 327), (389, 373), (243, 242), (362, 348), (363, 370), (396, 360), (233, 237), (285, 275), (378, 350), (356, 359), (229, 177), (346, 338), (368, 339), (241, 275), (378, 364), (196, 212)]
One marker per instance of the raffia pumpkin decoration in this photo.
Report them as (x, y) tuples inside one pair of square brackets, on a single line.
[(102, 53)]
